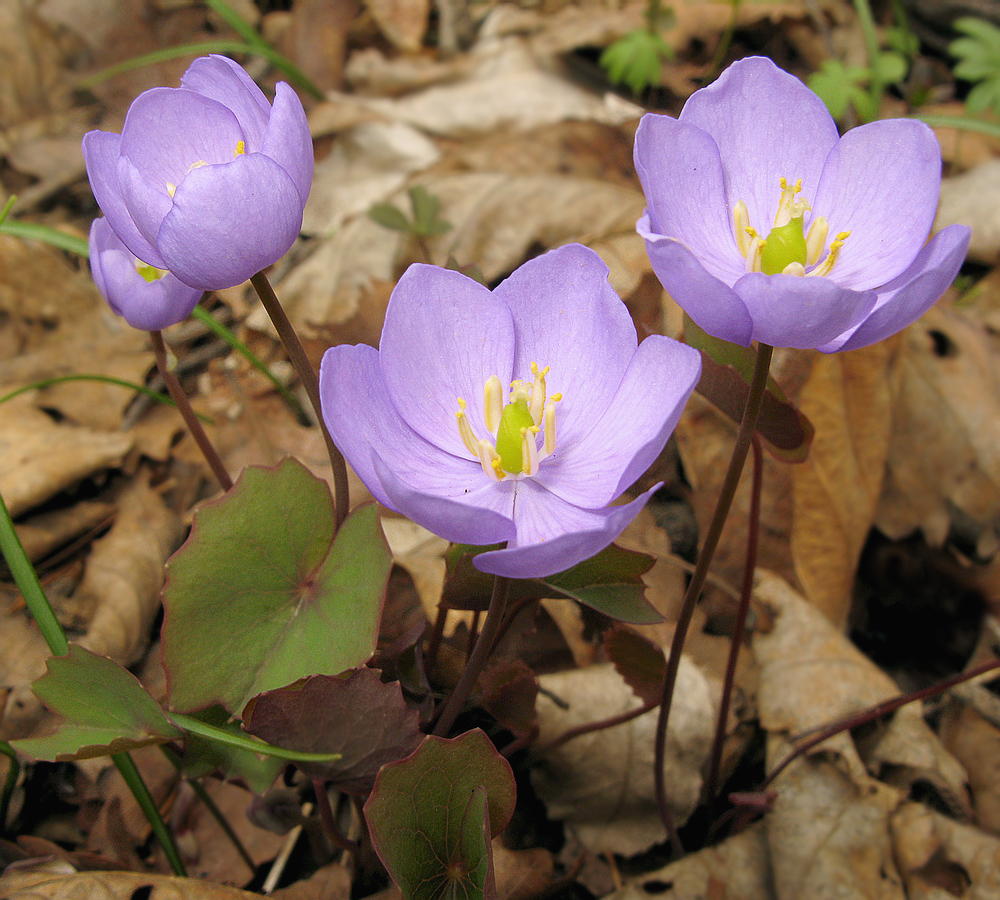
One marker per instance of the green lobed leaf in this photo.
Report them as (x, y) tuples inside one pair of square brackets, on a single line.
[(635, 59), (838, 85), (262, 593), (106, 710), (610, 582), (389, 216), (433, 814)]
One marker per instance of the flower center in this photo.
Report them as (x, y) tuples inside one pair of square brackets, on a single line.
[(239, 150), (787, 249), (515, 427)]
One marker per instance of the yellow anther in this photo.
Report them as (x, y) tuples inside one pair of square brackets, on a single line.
[(550, 424), (827, 264), (519, 390), (816, 240), (465, 430), (241, 148), (536, 405), (741, 226), (788, 207), (492, 404), (489, 459), (753, 253), (529, 450), (171, 189)]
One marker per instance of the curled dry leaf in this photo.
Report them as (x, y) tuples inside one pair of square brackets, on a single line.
[(973, 198), (944, 455), (39, 458), (124, 574), (811, 675), (25, 883), (849, 400), (601, 784), (739, 868)]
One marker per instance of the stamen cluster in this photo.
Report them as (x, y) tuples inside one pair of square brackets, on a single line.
[(514, 426)]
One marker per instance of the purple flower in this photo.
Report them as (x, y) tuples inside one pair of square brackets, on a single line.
[(514, 415), (207, 180), (764, 224), (146, 297)]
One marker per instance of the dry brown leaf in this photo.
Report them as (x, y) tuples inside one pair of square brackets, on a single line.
[(403, 22), (601, 784), (849, 400), (496, 219), (940, 858), (22, 661), (42, 534), (829, 832), (331, 882), (124, 574), (973, 199), (739, 868), (316, 38), (976, 743), (35, 883), (944, 457), (521, 874), (34, 65), (39, 458), (811, 675)]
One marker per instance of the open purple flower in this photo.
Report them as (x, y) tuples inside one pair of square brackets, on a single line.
[(764, 224), (146, 297), (514, 415), (207, 180)]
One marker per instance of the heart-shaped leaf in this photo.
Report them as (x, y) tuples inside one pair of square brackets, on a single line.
[(263, 593), (105, 709), (432, 817)]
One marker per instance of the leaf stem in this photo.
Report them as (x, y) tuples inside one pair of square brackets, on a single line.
[(254, 745), (477, 659), (875, 84), (310, 381), (10, 782), (187, 412), (741, 448), (739, 628)]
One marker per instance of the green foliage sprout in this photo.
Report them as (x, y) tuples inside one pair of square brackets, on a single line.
[(979, 61), (635, 59)]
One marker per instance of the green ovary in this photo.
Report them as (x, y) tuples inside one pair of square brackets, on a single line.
[(785, 244), (514, 417), (150, 273)]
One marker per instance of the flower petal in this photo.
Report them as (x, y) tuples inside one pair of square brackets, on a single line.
[(146, 305), (230, 221), (711, 303), (445, 494), (167, 131), (100, 153), (288, 141), (568, 317), (633, 430), (880, 183), (146, 204), (908, 296), (226, 82), (553, 535), (767, 125), (444, 336), (802, 312), (681, 174)]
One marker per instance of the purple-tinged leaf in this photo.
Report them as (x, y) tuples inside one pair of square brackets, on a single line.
[(353, 714), (638, 660), (432, 817), (507, 690)]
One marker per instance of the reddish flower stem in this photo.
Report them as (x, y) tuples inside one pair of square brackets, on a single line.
[(477, 659), (310, 381), (187, 412), (741, 448), (739, 629)]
